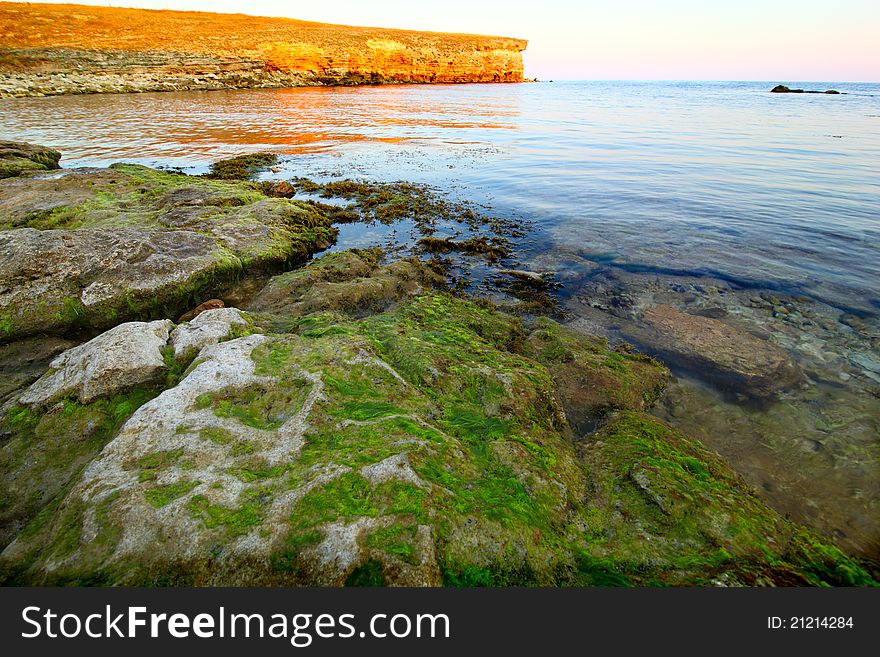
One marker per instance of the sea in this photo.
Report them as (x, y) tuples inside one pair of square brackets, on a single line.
[(719, 198)]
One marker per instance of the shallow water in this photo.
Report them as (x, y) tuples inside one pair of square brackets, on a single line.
[(699, 195)]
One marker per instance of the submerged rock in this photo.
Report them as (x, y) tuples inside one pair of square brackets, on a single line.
[(17, 157), (428, 442), (87, 248), (727, 356)]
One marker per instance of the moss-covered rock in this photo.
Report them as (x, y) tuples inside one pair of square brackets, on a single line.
[(242, 167), (19, 157), (88, 248), (352, 282), (428, 443)]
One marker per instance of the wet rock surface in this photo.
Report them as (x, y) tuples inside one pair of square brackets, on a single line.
[(87, 248), (357, 422), (426, 443), (811, 449)]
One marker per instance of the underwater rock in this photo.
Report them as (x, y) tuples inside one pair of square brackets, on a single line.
[(727, 356)]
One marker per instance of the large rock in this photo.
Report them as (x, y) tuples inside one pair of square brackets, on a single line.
[(422, 445), (124, 357), (88, 248), (208, 327), (727, 356), (16, 157)]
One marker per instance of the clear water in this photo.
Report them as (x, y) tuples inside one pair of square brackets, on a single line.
[(692, 182), (777, 190)]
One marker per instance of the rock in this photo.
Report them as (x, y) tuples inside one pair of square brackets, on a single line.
[(209, 327), (723, 354), (25, 361), (16, 157), (425, 444), (87, 248), (529, 277), (782, 89), (591, 379), (282, 189), (349, 281), (140, 51), (126, 356), (210, 304)]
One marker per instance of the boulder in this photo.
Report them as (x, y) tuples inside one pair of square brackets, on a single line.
[(16, 157), (88, 248), (782, 89), (725, 355), (124, 357), (352, 281)]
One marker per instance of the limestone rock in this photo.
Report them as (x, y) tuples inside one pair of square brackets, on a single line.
[(126, 356), (25, 361), (209, 327), (210, 304), (17, 157), (720, 352), (351, 281)]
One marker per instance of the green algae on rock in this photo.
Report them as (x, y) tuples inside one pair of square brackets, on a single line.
[(242, 167), (88, 248), (426, 442)]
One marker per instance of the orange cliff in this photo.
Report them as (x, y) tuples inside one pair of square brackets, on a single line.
[(48, 49)]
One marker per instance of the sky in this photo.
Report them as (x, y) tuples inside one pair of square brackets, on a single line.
[(773, 40)]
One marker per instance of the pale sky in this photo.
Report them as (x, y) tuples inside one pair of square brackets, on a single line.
[(773, 40)]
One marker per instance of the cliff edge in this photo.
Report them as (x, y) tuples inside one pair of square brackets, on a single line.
[(64, 49)]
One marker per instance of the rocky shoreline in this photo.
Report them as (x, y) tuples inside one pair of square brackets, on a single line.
[(46, 50), (348, 419)]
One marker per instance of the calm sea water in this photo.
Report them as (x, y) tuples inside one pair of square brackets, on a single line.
[(776, 191)]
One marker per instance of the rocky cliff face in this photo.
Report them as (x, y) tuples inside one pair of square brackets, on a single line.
[(61, 49)]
